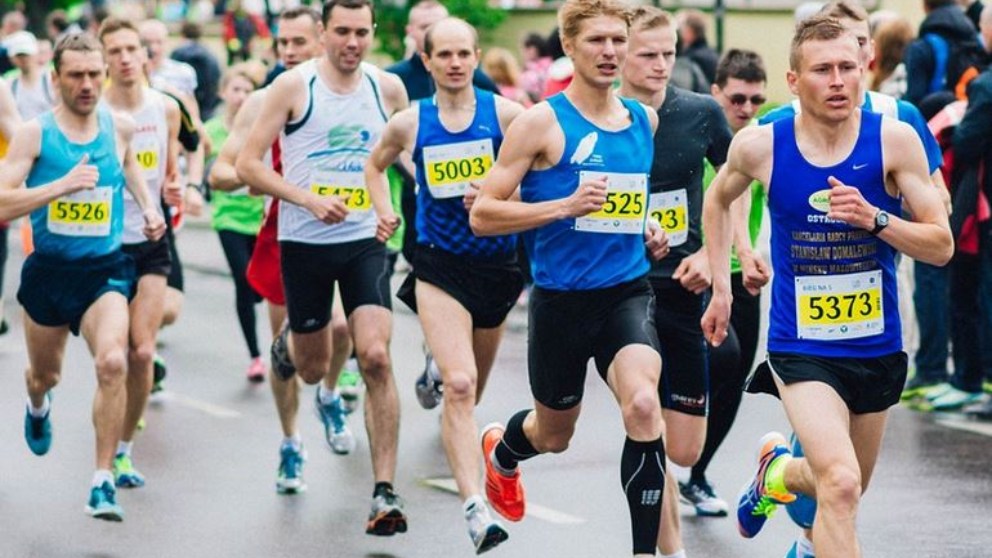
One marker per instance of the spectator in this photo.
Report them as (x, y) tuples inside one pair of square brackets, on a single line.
[(45, 53), (57, 25), (537, 61), (500, 65), (561, 69), (32, 86), (204, 63), (162, 70), (13, 21), (944, 20), (889, 72), (686, 73), (241, 27), (973, 9), (692, 30)]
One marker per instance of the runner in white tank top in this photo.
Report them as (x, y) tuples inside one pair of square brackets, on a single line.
[(328, 114)]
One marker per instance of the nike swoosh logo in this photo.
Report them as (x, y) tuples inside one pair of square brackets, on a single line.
[(859, 167)]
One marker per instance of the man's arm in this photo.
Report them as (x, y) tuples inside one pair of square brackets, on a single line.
[(398, 136), (10, 119), (223, 175), (15, 200), (134, 180), (749, 154), (277, 108), (928, 237), (528, 138), (172, 189)]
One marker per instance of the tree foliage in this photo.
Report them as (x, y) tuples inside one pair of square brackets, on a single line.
[(391, 21)]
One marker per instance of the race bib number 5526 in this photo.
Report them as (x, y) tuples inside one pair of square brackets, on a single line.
[(625, 207), (84, 213)]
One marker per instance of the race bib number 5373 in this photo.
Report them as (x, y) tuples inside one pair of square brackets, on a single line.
[(839, 306)]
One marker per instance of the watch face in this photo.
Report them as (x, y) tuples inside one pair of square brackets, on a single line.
[(882, 219)]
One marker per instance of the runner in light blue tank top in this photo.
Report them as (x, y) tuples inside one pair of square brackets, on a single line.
[(89, 223)]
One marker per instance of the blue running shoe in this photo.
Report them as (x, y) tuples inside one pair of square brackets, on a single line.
[(103, 503), (757, 503), (38, 431), (803, 510), (289, 479), (125, 475), (336, 431)]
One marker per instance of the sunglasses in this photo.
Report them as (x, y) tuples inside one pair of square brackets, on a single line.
[(740, 99)]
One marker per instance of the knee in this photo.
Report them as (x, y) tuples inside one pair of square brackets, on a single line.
[(459, 387), (340, 337), (311, 368), (555, 443), (110, 366), (642, 413), (839, 488), (684, 454), (142, 355), (48, 378), (374, 362)]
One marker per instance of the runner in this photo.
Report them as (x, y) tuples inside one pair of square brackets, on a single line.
[(462, 286), (581, 161), (299, 41), (328, 114), (834, 344), (76, 161), (154, 144)]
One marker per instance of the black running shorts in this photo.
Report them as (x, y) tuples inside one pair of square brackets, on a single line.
[(310, 272), (150, 257), (867, 385), (486, 289), (684, 385), (567, 328)]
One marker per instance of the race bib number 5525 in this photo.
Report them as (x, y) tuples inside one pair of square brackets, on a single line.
[(625, 207)]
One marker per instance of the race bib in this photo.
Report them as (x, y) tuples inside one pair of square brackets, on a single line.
[(84, 213), (671, 211), (839, 306), (449, 168), (146, 152), (625, 207), (349, 186)]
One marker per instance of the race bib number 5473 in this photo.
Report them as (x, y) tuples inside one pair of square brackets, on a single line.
[(625, 207)]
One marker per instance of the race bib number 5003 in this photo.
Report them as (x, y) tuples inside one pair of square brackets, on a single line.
[(450, 168), (625, 207)]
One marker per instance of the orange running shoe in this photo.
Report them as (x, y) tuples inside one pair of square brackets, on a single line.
[(506, 494)]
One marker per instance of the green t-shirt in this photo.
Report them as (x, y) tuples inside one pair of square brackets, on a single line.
[(232, 211), (754, 219), (395, 242)]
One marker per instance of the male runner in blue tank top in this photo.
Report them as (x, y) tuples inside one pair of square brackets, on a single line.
[(582, 161), (462, 286), (76, 161), (835, 177), (328, 113)]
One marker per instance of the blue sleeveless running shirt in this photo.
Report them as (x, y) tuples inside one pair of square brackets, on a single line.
[(446, 162), (88, 223), (834, 293), (605, 248)]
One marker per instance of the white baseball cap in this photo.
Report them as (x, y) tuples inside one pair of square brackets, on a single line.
[(21, 42)]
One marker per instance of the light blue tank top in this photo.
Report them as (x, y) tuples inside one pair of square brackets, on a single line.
[(834, 293), (89, 223), (446, 162), (582, 254)]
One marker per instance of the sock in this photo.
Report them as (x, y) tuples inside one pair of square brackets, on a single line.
[(382, 489), (294, 441), (804, 547), (775, 475), (679, 554), (514, 447), (642, 474), (124, 447), (41, 411), (472, 503), (327, 396), (101, 476)]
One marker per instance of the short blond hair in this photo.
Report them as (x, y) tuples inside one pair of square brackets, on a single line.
[(573, 12), (819, 27)]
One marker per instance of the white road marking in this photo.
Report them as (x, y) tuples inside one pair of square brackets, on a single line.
[(533, 510), (978, 427), (203, 406)]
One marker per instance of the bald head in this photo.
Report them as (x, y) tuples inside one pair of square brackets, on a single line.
[(153, 35), (422, 16), (450, 28)]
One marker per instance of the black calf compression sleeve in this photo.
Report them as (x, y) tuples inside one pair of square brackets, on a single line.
[(515, 446), (642, 472)]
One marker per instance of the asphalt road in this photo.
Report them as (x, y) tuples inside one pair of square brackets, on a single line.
[(210, 452)]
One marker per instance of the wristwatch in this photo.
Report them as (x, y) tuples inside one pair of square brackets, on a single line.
[(881, 221)]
